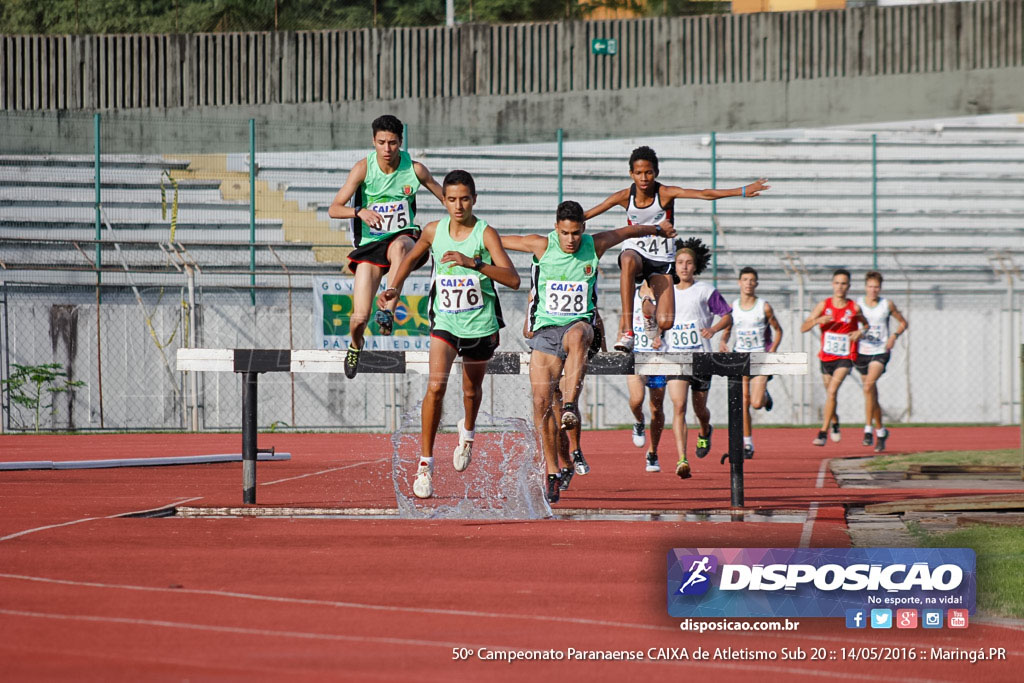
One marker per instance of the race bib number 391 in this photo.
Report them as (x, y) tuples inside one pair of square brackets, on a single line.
[(396, 216), (565, 298)]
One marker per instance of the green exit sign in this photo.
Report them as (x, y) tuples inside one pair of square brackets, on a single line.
[(604, 46)]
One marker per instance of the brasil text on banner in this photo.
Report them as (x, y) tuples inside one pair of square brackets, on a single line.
[(332, 309)]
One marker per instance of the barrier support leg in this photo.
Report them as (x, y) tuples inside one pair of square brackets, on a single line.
[(736, 440), (249, 402)]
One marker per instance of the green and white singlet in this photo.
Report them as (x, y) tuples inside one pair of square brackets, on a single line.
[(462, 300), (564, 285), (392, 195)]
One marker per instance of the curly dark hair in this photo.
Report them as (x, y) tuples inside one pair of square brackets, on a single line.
[(701, 253), (644, 153)]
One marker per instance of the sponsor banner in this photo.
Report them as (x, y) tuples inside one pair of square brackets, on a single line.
[(817, 582), (332, 309)]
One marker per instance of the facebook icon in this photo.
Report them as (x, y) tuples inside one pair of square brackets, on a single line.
[(856, 618)]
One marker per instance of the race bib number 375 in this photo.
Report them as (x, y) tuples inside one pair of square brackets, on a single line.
[(565, 298), (395, 214)]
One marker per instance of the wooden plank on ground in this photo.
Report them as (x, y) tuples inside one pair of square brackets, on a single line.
[(995, 519), (998, 501)]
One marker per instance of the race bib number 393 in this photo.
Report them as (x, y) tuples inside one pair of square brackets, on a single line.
[(396, 216), (836, 344), (459, 293), (565, 298)]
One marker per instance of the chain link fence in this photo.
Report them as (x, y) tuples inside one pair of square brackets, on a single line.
[(112, 261)]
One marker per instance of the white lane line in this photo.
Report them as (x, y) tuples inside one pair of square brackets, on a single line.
[(812, 511), (333, 469), (335, 603), (90, 519), (306, 635)]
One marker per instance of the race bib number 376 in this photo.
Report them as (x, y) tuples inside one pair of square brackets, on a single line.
[(565, 298), (459, 293)]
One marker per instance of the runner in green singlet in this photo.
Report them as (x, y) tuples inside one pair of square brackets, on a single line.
[(382, 188), (465, 314)]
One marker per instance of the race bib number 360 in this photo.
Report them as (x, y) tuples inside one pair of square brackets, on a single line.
[(459, 293), (396, 217), (565, 298), (685, 336), (836, 344)]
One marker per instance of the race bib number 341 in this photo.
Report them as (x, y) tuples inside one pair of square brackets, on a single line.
[(566, 298), (459, 293), (396, 216)]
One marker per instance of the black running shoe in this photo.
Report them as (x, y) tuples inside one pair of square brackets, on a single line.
[(704, 443), (835, 435), (652, 463), (579, 463), (768, 402), (867, 440), (554, 491), (351, 362), (748, 451), (385, 320), (880, 446), (566, 473), (570, 416)]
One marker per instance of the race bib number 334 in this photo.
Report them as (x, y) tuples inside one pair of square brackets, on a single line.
[(565, 298)]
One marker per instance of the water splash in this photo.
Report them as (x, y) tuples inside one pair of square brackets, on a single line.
[(505, 479)]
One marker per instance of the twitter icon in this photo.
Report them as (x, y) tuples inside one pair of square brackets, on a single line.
[(881, 618)]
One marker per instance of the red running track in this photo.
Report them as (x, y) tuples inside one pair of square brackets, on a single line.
[(88, 595)]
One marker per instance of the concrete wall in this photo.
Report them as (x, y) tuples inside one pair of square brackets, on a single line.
[(524, 118)]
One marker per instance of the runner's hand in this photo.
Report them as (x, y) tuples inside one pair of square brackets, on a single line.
[(757, 187), (458, 258), (667, 229), (370, 217), (707, 333), (384, 297)]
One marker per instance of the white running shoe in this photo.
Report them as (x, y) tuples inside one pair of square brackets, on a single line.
[(639, 439), (650, 326), (423, 487), (464, 451), (625, 343)]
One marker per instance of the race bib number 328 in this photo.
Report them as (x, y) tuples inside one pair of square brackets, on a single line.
[(565, 298)]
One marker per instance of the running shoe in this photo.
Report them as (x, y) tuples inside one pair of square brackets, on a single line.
[(554, 491), (748, 451), (464, 451), (625, 343), (351, 362), (768, 402), (650, 326), (566, 473), (835, 435), (880, 446), (704, 443), (868, 439), (652, 463), (579, 463), (820, 440), (385, 320), (683, 469), (570, 416), (423, 487), (638, 435)]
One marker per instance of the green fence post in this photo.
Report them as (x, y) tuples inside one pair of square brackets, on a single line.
[(714, 211), (874, 201), (252, 211), (99, 194), (560, 135)]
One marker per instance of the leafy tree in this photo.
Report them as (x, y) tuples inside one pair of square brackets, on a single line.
[(29, 386)]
